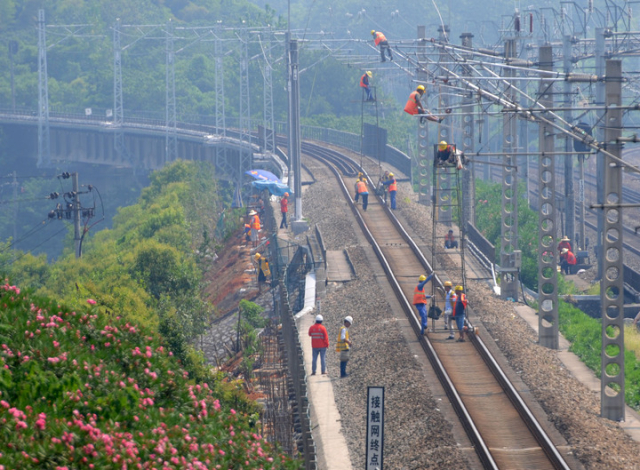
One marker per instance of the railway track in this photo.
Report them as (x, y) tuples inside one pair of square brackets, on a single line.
[(503, 430)]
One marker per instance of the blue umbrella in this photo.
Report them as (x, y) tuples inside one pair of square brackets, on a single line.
[(263, 175)]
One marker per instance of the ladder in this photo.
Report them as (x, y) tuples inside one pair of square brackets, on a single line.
[(447, 219)]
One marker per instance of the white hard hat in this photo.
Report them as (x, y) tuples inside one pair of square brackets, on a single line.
[(319, 318), (349, 319)]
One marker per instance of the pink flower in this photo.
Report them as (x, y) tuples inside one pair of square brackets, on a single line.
[(91, 301)]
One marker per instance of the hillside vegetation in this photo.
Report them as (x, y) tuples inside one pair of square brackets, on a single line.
[(83, 389), (146, 268)]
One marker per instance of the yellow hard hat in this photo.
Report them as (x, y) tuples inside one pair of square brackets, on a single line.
[(257, 256), (448, 284), (364, 180), (391, 174), (422, 278), (369, 74), (420, 88), (459, 288), (373, 31), (442, 145)]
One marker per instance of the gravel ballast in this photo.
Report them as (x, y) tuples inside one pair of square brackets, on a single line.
[(418, 435)]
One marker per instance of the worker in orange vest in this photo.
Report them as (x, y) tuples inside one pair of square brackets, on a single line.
[(362, 191), (459, 311), (448, 155), (364, 83), (420, 300), (393, 189), (414, 106), (567, 259), (254, 222), (380, 40)]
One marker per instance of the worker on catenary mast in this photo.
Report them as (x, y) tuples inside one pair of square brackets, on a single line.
[(393, 189), (381, 40), (362, 191), (364, 83), (414, 106), (567, 259), (420, 300), (449, 155)]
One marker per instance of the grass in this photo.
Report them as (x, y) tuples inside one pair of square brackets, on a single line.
[(632, 340)]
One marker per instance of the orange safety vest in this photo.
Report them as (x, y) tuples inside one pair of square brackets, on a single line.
[(362, 187), (462, 298), (419, 297), (255, 222), (284, 205), (393, 186), (412, 105), (571, 258), (364, 84), (379, 37)]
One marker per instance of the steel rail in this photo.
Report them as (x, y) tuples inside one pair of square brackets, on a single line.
[(474, 435)]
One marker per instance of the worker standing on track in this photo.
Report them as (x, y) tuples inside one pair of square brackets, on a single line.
[(343, 345), (420, 300), (361, 190), (360, 176), (284, 208), (364, 83), (393, 189), (449, 302), (414, 106), (380, 40), (319, 344), (459, 311)]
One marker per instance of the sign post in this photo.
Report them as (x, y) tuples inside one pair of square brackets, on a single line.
[(375, 428)]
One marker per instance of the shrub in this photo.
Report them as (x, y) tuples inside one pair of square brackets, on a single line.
[(83, 389)]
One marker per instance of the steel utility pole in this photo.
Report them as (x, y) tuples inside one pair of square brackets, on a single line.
[(44, 153), (425, 152), (569, 198), (468, 175), (547, 268), (294, 144), (509, 271), (13, 50), (171, 131), (612, 404), (76, 214), (600, 135), (118, 110)]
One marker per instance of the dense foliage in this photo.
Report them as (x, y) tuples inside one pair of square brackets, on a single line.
[(585, 335), (80, 388), (145, 267)]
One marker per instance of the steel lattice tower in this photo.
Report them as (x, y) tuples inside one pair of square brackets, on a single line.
[(269, 129), (221, 127), (44, 145)]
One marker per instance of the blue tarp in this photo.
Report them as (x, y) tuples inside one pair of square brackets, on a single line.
[(275, 188), (263, 175)]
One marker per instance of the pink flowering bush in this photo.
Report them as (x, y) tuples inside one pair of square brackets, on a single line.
[(85, 390)]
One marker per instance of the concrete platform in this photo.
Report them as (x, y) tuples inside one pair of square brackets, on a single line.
[(576, 367), (331, 445)]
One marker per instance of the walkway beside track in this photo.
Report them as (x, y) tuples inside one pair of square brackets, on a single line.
[(331, 446), (580, 371)]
